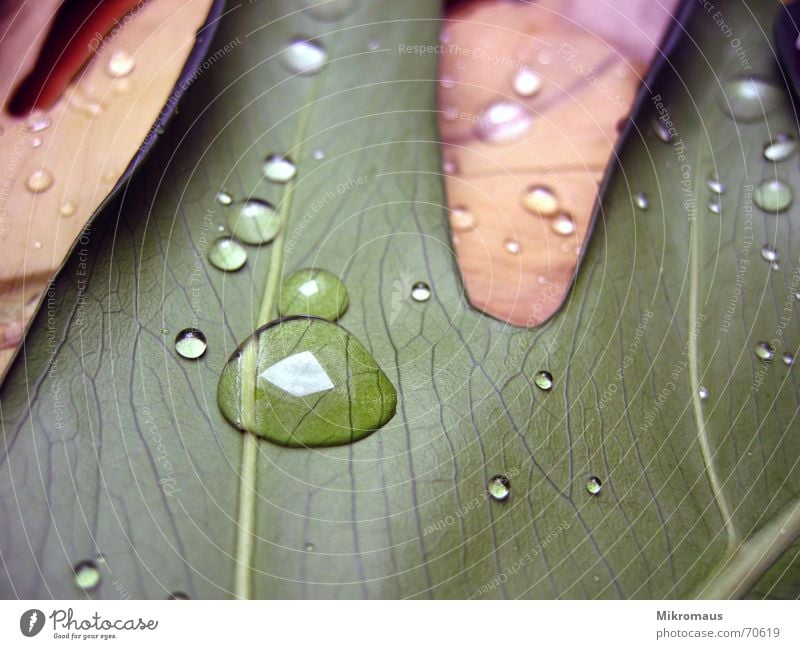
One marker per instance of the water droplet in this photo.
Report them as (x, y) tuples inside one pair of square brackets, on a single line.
[(37, 245), (68, 208), (563, 224), (37, 122), (641, 200), (39, 181), (420, 292), (768, 252), (313, 291), (749, 99), (543, 380), (447, 82), (702, 392), (120, 64), (526, 82), (318, 154), (304, 56), (661, 131), (773, 195), (87, 575), (461, 219), (780, 148), (256, 222), (279, 169), (787, 358), (178, 594), (775, 265), (227, 254), (714, 184), (512, 246), (224, 198), (330, 10), (764, 351), (715, 207), (540, 200), (309, 547), (313, 384), (594, 485), (503, 121), (36, 142), (499, 487), (191, 343), (122, 86), (450, 166), (373, 45)]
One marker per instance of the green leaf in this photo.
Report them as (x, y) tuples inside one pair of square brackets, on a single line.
[(114, 444)]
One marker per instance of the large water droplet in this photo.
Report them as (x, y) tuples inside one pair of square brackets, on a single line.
[(461, 219), (781, 148), (87, 575), (313, 291), (499, 487), (563, 224), (279, 169), (526, 82), (773, 195), (39, 181), (224, 198), (764, 351), (503, 121), (330, 10), (543, 380), (191, 343), (256, 222), (594, 485), (540, 200), (714, 184), (227, 254), (768, 253), (748, 99), (120, 64), (641, 200), (313, 384), (304, 56), (420, 292)]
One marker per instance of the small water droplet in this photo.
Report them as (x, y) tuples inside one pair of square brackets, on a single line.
[(309, 547), (499, 487), (37, 245), (224, 198), (178, 594), (279, 168), (781, 148), (420, 292), (641, 200), (715, 207), (594, 485), (304, 56), (313, 291), (503, 121), (787, 358), (764, 351), (227, 254), (255, 222), (39, 181), (450, 166), (775, 265), (120, 64), (748, 99), (526, 82), (543, 380), (318, 154), (714, 184), (373, 45), (768, 253), (563, 224), (191, 343), (87, 575), (702, 392), (36, 142), (447, 82), (661, 131), (773, 195), (37, 122), (461, 219), (512, 246), (68, 208), (122, 86), (165, 331), (314, 385), (540, 200)]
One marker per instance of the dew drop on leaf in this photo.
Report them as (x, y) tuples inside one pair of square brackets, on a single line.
[(773, 195), (309, 547), (764, 351), (318, 154), (39, 181), (594, 485), (641, 200), (224, 198), (563, 224), (304, 56), (120, 64), (461, 219), (781, 148), (87, 575), (313, 291), (769, 253), (68, 208), (661, 131), (312, 384), (227, 254), (543, 380), (526, 83), (702, 392), (420, 292), (279, 168), (255, 222), (499, 487), (748, 99), (715, 207), (540, 200), (512, 246), (503, 122), (191, 343), (714, 184), (787, 358)]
